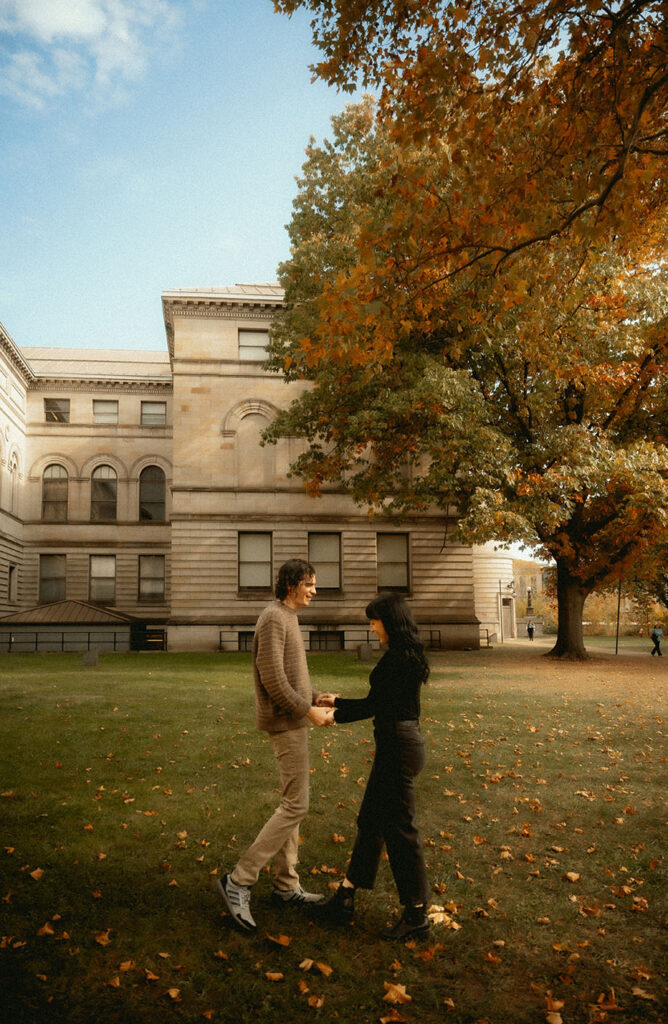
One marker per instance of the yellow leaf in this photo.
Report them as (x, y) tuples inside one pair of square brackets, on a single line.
[(274, 976), (115, 982), (102, 938), (127, 965), (37, 874), (150, 976), (175, 994), (306, 965), (396, 993), (316, 1002), (280, 940), (325, 969)]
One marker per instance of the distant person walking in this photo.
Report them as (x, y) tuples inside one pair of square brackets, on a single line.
[(655, 637), (285, 702), (530, 629)]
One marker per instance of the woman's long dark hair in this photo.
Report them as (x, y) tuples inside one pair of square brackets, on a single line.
[(402, 632)]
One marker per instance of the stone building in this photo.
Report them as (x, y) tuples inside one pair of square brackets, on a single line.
[(136, 481)]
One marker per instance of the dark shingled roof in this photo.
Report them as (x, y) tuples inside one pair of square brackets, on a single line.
[(65, 613)]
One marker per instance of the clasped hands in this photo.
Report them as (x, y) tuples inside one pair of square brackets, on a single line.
[(322, 712)]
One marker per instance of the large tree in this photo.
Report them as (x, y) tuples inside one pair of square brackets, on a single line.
[(580, 78), (532, 399)]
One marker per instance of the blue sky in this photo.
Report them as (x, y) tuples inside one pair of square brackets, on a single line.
[(146, 145)]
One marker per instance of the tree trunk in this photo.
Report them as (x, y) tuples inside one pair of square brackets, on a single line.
[(571, 597)]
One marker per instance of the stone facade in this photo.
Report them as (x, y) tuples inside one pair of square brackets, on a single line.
[(90, 440)]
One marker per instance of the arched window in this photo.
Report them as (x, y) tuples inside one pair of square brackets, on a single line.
[(14, 484), (152, 495), (54, 494), (103, 494)]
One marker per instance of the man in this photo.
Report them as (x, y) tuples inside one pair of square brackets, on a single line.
[(285, 703), (656, 636)]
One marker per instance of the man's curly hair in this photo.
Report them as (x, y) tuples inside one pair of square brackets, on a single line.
[(290, 576)]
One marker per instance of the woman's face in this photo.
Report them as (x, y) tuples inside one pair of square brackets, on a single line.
[(378, 628)]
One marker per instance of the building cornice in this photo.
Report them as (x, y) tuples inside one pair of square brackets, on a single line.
[(241, 302), (138, 386), (15, 357)]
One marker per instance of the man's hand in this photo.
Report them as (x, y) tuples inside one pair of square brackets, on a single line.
[(320, 716), (326, 700)]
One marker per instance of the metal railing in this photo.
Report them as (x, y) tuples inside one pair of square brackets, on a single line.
[(63, 641), (70, 641), (242, 639)]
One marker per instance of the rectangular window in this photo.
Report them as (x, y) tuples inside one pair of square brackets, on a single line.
[(102, 579), (13, 584), (51, 578), (324, 554), (326, 640), (255, 561), (57, 410), (152, 578), (105, 411), (253, 346), (153, 414), (392, 553), (245, 639)]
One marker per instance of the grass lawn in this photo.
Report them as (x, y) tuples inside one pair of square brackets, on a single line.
[(126, 787)]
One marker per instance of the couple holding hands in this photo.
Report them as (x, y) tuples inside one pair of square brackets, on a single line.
[(284, 704)]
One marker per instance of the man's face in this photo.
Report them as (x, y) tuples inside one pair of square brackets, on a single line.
[(301, 595)]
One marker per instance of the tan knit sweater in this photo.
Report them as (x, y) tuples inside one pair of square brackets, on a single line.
[(283, 692)]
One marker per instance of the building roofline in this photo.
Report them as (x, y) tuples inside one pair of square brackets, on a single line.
[(199, 300), (20, 363)]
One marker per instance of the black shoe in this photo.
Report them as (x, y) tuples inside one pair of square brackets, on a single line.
[(340, 909), (413, 923)]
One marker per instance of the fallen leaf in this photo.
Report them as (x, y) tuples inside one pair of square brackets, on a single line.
[(115, 982), (316, 1002), (37, 874), (280, 940), (396, 993), (325, 969), (640, 993), (102, 938), (274, 976), (175, 994)]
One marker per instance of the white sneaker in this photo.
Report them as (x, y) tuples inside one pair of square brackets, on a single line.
[(293, 897), (237, 898)]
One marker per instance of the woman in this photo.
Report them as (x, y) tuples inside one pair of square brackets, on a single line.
[(387, 814)]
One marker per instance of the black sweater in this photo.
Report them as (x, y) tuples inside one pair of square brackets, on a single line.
[(394, 694)]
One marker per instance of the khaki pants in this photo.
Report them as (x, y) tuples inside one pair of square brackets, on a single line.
[(279, 839)]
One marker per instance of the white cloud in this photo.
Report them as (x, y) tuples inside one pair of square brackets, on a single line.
[(52, 47)]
